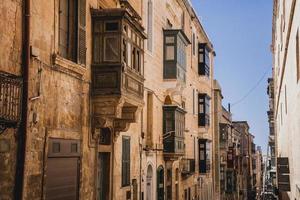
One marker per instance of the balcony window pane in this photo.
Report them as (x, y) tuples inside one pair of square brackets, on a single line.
[(170, 40), (201, 58), (170, 52), (111, 26)]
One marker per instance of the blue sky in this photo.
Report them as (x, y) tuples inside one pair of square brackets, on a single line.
[(240, 31)]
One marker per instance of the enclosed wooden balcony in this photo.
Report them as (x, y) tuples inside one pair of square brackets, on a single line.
[(173, 127), (188, 166), (117, 66)]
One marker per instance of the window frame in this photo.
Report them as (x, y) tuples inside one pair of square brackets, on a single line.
[(202, 156), (74, 49), (175, 67), (203, 109), (174, 136), (204, 64), (125, 178)]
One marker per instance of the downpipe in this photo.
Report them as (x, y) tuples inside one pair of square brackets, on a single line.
[(22, 131)]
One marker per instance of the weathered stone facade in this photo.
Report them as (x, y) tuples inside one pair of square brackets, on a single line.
[(10, 62)]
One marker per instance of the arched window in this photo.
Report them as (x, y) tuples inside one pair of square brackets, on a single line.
[(150, 25)]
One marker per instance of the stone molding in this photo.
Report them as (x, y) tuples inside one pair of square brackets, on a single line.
[(66, 66)]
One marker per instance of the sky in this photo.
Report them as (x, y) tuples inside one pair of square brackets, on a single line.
[(241, 32)]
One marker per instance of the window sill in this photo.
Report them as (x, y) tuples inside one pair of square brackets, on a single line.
[(204, 126), (125, 187), (69, 67), (204, 76)]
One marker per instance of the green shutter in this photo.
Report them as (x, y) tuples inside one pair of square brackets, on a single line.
[(125, 161)]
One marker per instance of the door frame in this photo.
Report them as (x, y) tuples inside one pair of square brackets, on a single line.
[(160, 170)]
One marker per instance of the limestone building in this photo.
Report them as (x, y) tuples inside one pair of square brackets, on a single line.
[(286, 74), (246, 177), (259, 173), (105, 99)]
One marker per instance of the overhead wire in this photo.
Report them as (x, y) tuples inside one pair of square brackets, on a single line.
[(252, 89), (242, 99)]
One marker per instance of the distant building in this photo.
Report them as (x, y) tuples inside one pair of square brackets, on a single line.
[(247, 177), (259, 173), (105, 99)]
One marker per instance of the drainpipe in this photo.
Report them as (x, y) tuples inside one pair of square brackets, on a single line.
[(22, 131), (141, 151)]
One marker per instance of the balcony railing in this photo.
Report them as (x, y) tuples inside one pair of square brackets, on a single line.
[(10, 100), (173, 144), (188, 166)]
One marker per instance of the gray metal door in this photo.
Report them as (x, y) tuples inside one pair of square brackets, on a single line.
[(62, 178), (62, 172)]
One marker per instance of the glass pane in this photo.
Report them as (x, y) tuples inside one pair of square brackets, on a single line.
[(111, 26), (170, 53), (124, 51), (170, 40), (207, 60), (138, 61), (129, 54), (201, 108), (202, 157), (111, 49), (201, 58)]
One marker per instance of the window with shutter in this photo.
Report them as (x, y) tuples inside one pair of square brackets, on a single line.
[(202, 156), (175, 43), (173, 128), (125, 161), (82, 32), (72, 37), (203, 110)]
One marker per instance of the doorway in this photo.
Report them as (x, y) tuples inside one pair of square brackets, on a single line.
[(160, 183), (104, 164), (149, 183), (104, 175)]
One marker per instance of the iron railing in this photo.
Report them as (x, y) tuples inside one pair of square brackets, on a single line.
[(188, 166), (10, 100)]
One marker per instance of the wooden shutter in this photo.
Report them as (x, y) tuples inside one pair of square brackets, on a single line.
[(283, 170), (81, 32), (125, 161)]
